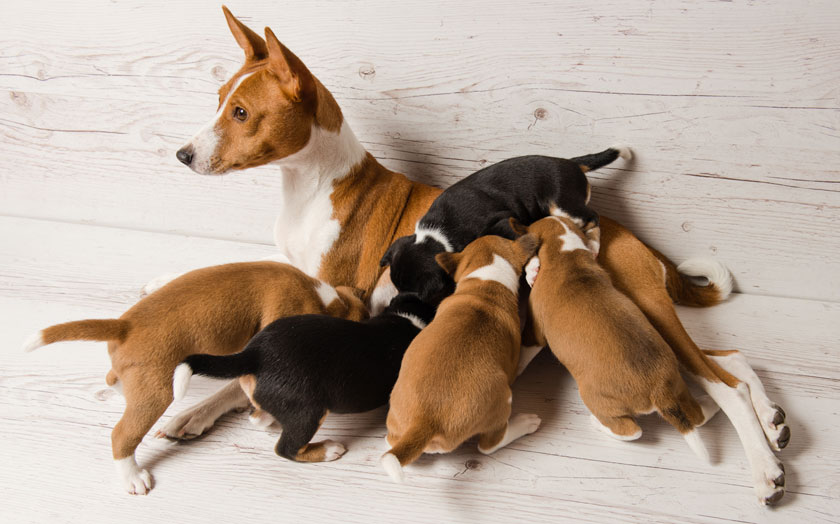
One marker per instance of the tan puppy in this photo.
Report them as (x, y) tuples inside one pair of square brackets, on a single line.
[(214, 310), (455, 376), (621, 364)]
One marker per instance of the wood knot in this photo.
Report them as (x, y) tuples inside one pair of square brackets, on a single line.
[(219, 73), (104, 394), (540, 113), (472, 464), (687, 226), (19, 98), (367, 72)]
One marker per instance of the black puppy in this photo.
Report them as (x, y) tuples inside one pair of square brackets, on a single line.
[(527, 188), (300, 368)]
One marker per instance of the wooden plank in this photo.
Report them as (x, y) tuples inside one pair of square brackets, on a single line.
[(564, 472), (735, 129)]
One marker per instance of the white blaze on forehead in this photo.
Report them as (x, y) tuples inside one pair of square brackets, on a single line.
[(572, 241), (433, 233), (326, 292), (500, 270), (205, 142), (557, 212)]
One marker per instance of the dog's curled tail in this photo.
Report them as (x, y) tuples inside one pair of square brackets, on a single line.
[(231, 366), (407, 449), (94, 329), (597, 160), (684, 290)]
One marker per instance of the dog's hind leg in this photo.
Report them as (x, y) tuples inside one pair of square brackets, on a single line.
[(619, 428), (145, 402), (770, 415), (298, 430), (197, 419)]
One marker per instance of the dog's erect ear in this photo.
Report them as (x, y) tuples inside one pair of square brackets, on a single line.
[(297, 81), (518, 227), (448, 261), (388, 258), (528, 244), (250, 42)]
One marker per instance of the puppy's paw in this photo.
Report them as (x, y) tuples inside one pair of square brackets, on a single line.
[(187, 425), (136, 481), (261, 419), (527, 423), (770, 484), (531, 270), (772, 419), (157, 283), (333, 450)]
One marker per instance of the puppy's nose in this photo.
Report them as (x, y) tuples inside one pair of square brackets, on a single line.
[(185, 155)]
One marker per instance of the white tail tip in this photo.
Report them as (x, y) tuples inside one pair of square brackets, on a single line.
[(624, 152), (697, 445), (710, 269), (181, 380), (392, 466), (34, 341)]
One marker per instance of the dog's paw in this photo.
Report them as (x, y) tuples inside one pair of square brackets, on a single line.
[(136, 481), (261, 419), (187, 425), (333, 450), (526, 423), (531, 270), (157, 283), (770, 484), (772, 419)]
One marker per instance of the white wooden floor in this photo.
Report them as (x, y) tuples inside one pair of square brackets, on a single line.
[(733, 110)]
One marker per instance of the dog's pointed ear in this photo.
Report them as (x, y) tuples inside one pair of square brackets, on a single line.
[(518, 227), (448, 261), (297, 82), (528, 243), (250, 42), (388, 258)]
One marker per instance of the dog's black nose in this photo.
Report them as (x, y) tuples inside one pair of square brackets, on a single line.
[(185, 155)]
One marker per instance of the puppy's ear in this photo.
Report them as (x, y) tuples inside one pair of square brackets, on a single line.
[(448, 261), (528, 244), (518, 227)]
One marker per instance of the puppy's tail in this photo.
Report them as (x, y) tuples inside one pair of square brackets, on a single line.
[(407, 449), (231, 366), (685, 414), (94, 329), (684, 290), (597, 160)]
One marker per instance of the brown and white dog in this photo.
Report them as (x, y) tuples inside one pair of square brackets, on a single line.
[(622, 366), (456, 375), (215, 311), (342, 209)]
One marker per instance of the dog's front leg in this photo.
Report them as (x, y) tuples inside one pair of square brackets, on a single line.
[(200, 417)]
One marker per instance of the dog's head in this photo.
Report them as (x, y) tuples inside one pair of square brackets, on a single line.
[(562, 233), (266, 110), (485, 253), (414, 270)]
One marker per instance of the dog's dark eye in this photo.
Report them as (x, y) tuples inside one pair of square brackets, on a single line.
[(240, 114)]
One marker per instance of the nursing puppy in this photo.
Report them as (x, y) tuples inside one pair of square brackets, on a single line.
[(213, 310), (526, 188), (621, 364), (455, 377), (300, 368)]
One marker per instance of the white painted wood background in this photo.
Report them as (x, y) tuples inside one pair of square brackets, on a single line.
[(732, 108)]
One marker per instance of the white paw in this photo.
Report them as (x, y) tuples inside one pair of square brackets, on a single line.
[(600, 427), (525, 423), (770, 483), (531, 270), (772, 419), (333, 450), (158, 282), (261, 419), (135, 480), (187, 425)]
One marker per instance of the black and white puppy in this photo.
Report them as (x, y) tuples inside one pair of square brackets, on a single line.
[(527, 188), (300, 368)]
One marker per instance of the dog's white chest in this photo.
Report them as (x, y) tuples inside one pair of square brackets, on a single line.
[(305, 231)]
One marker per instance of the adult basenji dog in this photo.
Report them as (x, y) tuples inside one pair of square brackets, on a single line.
[(526, 188), (300, 368), (455, 377), (342, 209), (214, 310), (622, 366)]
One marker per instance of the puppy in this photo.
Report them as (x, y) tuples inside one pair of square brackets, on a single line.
[(621, 364), (455, 377), (300, 368), (527, 188), (214, 310)]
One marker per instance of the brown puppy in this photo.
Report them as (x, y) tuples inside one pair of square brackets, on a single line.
[(214, 310), (455, 376), (621, 364)]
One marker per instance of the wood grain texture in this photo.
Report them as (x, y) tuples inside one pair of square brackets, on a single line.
[(56, 415), (732, 108)]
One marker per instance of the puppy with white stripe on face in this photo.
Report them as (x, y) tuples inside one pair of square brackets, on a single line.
[(526, 188), (455, 377), (300, 368)]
